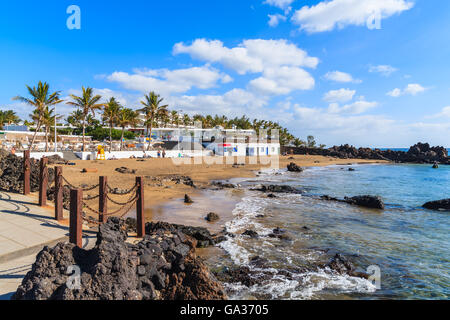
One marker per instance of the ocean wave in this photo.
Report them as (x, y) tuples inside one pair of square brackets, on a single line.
[(277, 283)]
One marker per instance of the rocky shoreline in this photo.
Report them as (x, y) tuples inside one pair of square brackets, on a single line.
[(421, 153), (163, 266)]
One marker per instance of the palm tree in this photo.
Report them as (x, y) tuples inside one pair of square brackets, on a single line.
[(87, 104), (152, 108), (47, 122), (175, 118), (127, 117), (111, 116), (9, 117), (41, 99), (186, 120)]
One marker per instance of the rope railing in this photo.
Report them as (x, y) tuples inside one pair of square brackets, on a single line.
[(82, 209), (86, 189), (122, 193)]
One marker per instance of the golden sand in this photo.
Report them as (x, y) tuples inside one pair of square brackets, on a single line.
[(161, 198)]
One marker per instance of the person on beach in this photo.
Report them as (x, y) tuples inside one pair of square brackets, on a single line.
[(164, 153), (159, 154)]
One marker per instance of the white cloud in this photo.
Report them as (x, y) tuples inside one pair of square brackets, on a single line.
[(251, 56), (395, 93), (412, 89), (365, 130), (341, 95), (274, 19), (170, 81), (282, 4), (283, 80), (445, 113), (233, 103), (356, 107), (385, 70), (329, 15), (342, 77)]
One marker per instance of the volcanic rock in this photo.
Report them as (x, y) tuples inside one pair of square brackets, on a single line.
[(187, 199), (203, 237), (419, 153), (11, 173), (116, 270), (442, 205), (292, 167), (250, 233), (277, 189), (125, 170), (211, 217), (374, 202), (366, 201)]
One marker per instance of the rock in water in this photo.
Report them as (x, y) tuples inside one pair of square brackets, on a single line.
[(292, 167), (366, 201), (161, 267), (443, 205), (187, 199), (203, 237), (211, 217), (250, 233), (277, 189)]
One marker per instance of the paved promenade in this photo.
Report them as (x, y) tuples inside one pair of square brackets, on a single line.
[(25, 229)]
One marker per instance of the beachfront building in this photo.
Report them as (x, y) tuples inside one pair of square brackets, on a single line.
[(239, 148)]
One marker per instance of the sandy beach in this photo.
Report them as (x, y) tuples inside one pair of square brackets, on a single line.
[(161, 193)]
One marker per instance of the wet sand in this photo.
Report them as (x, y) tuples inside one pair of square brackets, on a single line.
[(164, 199)]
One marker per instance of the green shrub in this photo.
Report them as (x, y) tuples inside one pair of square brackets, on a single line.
[(101, 134)]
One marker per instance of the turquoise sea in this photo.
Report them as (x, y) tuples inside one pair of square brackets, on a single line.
[(410, 245)]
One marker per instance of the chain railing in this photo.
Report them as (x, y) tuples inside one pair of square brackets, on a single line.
[(86, 189), (80, 206)]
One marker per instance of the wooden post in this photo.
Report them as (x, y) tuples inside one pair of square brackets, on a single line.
[(103, 200), (43, 182), (76, 221), (140, 220), (59, 189), (26, 172)]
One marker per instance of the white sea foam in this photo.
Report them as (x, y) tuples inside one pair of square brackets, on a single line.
[(279, 286)]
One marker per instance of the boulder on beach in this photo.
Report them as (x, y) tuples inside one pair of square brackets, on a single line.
[(163, 266), (442, 205), (188, 199), (212, 216), (125, 170), (223, 185), (292, 167)]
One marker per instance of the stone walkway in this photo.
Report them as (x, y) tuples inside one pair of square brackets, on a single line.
[(25, 229)]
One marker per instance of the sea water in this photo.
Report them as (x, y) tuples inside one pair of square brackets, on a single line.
[(410, 245)]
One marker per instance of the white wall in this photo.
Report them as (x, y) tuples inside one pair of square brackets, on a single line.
[(40, 155), (140, 154)]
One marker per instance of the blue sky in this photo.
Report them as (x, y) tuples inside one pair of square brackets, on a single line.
[(314, 66)]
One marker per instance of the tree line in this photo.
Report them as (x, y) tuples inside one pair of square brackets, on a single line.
[(113, 114)]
